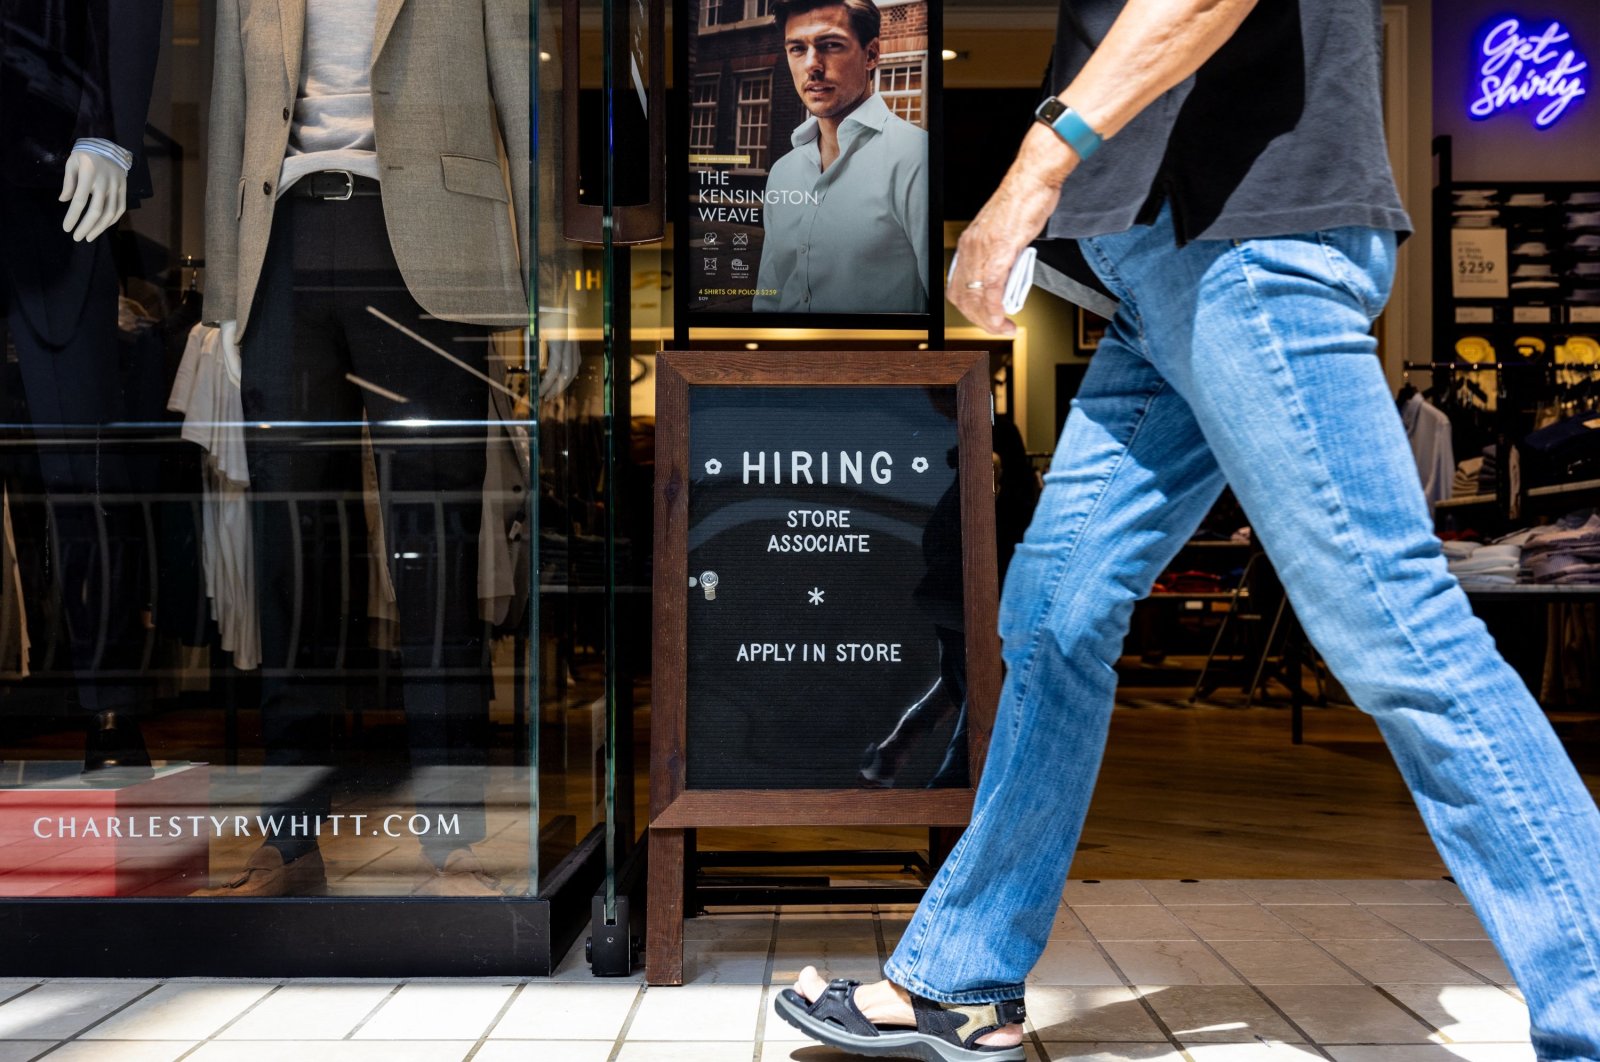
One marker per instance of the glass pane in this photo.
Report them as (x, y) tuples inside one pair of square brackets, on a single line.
[(264, 622)]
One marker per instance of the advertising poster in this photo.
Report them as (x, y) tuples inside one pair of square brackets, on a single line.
[(806, 172)]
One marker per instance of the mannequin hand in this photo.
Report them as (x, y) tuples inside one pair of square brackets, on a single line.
[(561, 367), (230, 348), (97, 189)]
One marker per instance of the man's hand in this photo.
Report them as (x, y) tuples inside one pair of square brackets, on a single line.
[(97, 188), (1012, 218)]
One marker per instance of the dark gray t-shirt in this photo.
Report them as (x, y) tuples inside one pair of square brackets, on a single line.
[(1280, 132)]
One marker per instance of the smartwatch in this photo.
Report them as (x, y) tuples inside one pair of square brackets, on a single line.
[(1069, 126)]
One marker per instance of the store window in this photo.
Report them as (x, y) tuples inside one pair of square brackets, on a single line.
[(703, 115), (755, 117), (899, 80)]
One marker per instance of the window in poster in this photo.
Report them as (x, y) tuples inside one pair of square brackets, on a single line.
[(808, 158)]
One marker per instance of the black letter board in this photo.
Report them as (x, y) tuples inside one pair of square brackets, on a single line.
[(827, 523), (841, 506)]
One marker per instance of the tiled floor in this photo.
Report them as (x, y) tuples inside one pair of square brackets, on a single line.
[(1213, 971)]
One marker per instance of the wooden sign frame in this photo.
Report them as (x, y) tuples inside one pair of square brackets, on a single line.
[(676, 808)]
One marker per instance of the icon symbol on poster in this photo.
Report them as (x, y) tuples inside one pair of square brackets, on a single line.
[(919, 464), (738, 265), (713, 467), (816, 596), (709, 239), (741, 239), (710, 265)]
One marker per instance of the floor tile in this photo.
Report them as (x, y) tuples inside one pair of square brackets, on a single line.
[(1452, 1053), (1072, 962), (1233, 1014), (1067, 926), (1399, 961), (1257, 1052), (803, 1051), (545, 1051), (22, 1050), (1438, 888), (1333, 922), (1283, 962), (1332, 1014), (179, 1011), (566, 1012), (12, 988), (331, 1051), (644, 1051), (1432, 923), (826, 927), (1467, 1013), (308, 1012), (1236, 922), (1193, 892), (731, 961), (121, 1051), (1113, 1053), (724, 926), (432, 1011), (698, 1013), (855, 959), (1089, 1015), (57, 1010), (1383, 891), (1133, 923), (1303, 892), (1169, 962), (1084, 894), (1480, 955)]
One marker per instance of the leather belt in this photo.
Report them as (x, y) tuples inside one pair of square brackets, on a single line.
[(335, 185)]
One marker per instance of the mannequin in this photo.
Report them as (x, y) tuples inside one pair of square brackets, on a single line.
[(363, 240), (76, 81)]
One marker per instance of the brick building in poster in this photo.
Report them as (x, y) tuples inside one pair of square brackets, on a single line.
[(742, 101)]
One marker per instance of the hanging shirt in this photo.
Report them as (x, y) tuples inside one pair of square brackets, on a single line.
[(1429, 431), (332, 127), (1279, 132), (853, 238)]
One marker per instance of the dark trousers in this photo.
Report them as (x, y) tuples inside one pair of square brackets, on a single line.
[(98, 534), (333, 334)]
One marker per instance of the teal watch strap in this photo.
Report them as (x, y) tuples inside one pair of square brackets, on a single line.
[(1069, 126)]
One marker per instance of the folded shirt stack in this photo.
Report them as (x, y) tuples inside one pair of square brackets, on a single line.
[(1566, 553), (1469, 478), (1472, 564)]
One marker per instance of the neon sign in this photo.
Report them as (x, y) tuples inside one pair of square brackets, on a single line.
[(1518, 67)]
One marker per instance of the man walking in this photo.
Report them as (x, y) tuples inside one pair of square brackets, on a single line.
[(1223, 165)]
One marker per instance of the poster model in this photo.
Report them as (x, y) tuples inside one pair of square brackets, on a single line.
[(807, 160)]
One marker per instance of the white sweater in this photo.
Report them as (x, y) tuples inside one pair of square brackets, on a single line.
[(333, 115)]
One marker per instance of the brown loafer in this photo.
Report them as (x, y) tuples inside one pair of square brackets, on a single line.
[(461, 875), (267, 875)]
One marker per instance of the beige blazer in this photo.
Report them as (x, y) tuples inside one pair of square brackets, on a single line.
[(449, 89)]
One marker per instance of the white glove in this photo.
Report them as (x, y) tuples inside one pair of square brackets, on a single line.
[(560, 368), (97, 189), (230, 348)]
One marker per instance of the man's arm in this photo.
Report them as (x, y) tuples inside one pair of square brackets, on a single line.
[(1153, 46)]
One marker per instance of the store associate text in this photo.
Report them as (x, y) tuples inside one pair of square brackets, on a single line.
[(860, 243)]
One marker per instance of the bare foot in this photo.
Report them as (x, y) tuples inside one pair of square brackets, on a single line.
[(886, 1003)]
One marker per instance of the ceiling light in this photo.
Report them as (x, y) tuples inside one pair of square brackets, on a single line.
[(949, 54), (752, 346)]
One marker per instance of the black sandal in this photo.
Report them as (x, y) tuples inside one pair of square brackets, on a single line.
[(945, 1032)]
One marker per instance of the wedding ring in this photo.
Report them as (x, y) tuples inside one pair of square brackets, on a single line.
[(974, 285)]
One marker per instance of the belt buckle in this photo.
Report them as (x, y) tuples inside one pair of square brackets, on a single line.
[(349, 187)]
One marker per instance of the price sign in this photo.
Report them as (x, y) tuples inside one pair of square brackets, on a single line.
[(1478, 264)]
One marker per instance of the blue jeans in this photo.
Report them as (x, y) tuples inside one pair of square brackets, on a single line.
[(1250, 362)]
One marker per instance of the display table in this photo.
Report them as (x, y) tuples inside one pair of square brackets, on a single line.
[(61, 836)]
